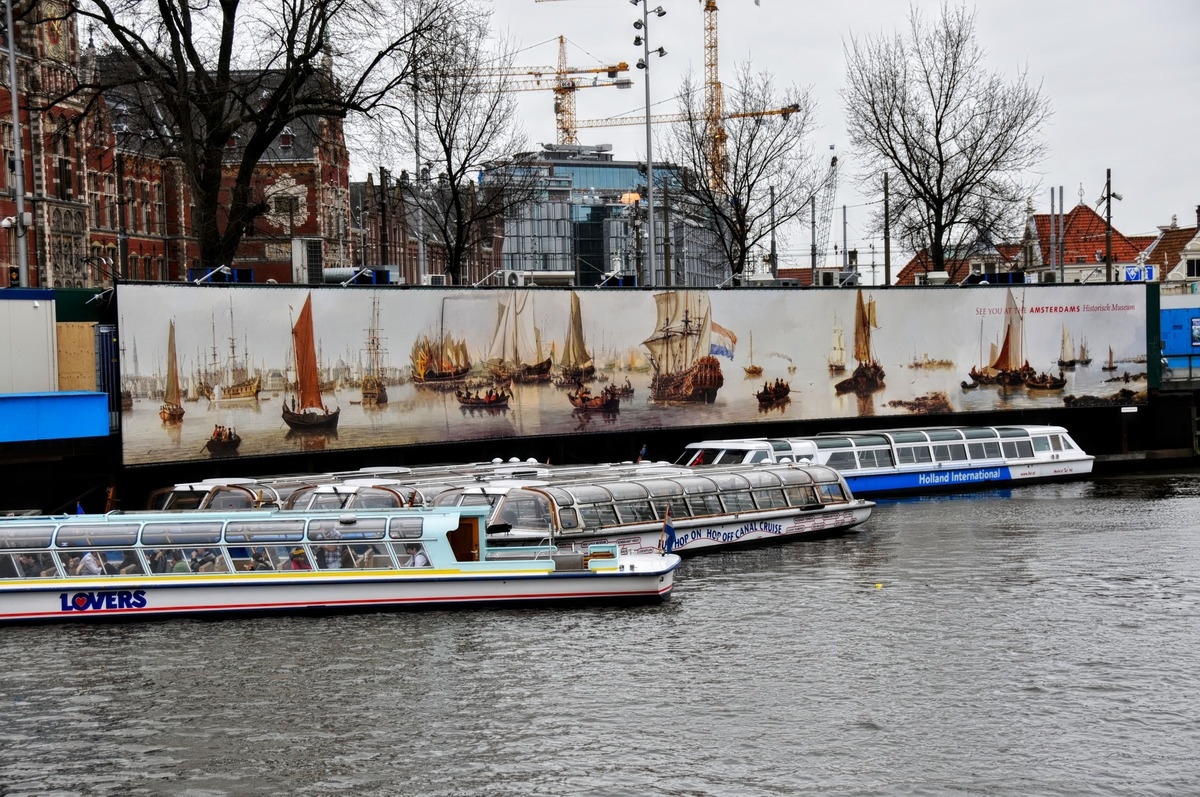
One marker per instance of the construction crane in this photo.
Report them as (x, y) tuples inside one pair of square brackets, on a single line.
[(714, 103), (825, 211), (563, 82)]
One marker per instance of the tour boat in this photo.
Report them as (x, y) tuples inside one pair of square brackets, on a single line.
[(650, 509), (159, 564), (920, 459)]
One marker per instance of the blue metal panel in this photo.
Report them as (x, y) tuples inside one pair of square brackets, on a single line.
[(925, 480), (30, 417)]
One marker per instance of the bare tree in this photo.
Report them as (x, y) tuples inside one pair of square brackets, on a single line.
[(215, 84), (468, 123), (959, 138), (764, 179)]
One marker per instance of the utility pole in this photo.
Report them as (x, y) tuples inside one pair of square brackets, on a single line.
[(887, 235), (774, 261), (1108, 195), (384, 236), (813, 264)]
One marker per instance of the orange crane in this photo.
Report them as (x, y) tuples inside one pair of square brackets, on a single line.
[(563, 81)]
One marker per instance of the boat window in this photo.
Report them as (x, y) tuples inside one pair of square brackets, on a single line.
[(703, 456), (906, 455), (25, 565), (405, 528), (624, 491), (909, 437), (598, 515), (1012, 431), (842, 460), (264, 531), (793, 475), (678, 506), (376, 497), (301, 499), (411, 554), (1055, 442), (526, 510), (761, 456), (950, 453), (705, 504), (231, 498), (980, 433), (833, 442), (879, 458), (922, 454), (1041, 444), (26, 536), (634, 511), (324, 529), (371, 556), (328, 500), (862, 441), (802, 496), (96, 534), (770, 499), (568, 518), (945, 434), (168, 534), (89, 562), (737, 501), (832, 494), (176, 499), (1067, 444), (334, 557), (1013, 449)]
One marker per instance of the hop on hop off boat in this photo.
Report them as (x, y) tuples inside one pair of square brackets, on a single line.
[(156, 564)]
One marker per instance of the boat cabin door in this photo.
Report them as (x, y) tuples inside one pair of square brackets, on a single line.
[(464, 540)]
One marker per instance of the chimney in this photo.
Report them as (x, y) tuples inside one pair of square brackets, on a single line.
[(1198, 215)]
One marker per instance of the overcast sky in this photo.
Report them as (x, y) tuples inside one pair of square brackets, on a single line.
[(1123, 79)]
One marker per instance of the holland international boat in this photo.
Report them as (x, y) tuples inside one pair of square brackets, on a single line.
[(75, 568), (308, 411), (917, 460), (678, 510)]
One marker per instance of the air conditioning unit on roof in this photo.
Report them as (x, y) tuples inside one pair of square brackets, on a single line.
[(434, 279), (516, 279)]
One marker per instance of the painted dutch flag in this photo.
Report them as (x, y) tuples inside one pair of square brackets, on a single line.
[(666, 541), (722, 342)]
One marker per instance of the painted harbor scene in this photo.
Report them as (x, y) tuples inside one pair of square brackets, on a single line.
[(263, 370)]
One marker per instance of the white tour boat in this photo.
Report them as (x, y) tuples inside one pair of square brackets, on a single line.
[(920, 459), (154, 564), (642, 510)]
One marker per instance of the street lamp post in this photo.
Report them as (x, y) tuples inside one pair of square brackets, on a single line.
[(18, 155), (643, 39)]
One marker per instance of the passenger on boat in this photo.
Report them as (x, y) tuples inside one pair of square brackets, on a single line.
[(259, 561), (158, 561), (8, 568), (90, 565), (346, 561), (199, 558), (129, 563), (416, 556), (28, 565), (331, 557), (176, 563), (298, 561)]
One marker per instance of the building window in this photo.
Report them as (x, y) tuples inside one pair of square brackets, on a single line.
[(1193, 269)]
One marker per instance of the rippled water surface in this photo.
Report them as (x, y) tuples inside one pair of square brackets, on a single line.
[(1041, 641)]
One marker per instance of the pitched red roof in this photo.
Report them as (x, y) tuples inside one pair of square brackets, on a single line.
[(1168, 247), (1084, 236)]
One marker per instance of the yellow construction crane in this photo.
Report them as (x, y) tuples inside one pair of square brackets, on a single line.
[(714, 102), (563, 81)]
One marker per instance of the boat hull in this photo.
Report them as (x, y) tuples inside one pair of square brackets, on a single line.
[(76, 600), (311, 420), (705, 536), (983, 476)]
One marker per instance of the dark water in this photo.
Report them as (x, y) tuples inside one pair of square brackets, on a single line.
[(1038, 642)]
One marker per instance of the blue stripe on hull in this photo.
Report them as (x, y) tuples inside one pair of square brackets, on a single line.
[(928, 480)]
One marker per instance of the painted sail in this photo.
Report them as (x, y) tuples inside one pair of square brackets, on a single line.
[(837, 351), (575, 362), (682, 333), (374, 391), (307, 378), (1011, 355), (1067, 351), (516, 348), (864, 322), (171, 409)]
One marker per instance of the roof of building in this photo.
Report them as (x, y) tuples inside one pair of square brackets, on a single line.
[(1167, 248), (1084, 238)]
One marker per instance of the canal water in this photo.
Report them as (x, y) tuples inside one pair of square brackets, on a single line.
[(1039, 641)]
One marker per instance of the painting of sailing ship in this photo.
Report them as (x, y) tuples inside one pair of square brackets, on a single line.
[(306, 409), (683, 368), (374, 391), (868, 374), (516, 350), (1066, 355), (1007, 365), (231, 382), (837, 351), (171, 410), (1111, 364), (576, 363), (442, 360), (1084, 358), (753, 369)]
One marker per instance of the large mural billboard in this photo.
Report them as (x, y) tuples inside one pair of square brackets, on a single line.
[(244, 371)]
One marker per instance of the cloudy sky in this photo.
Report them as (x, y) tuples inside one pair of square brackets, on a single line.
[(1123, 79)]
